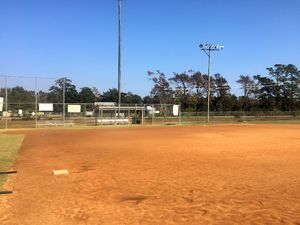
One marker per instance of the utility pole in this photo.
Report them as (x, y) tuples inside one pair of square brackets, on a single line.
[(208, 92)]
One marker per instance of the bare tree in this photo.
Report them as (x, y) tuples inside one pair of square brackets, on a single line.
[(247, 85), (212, 84), (161, 87), (198, 82), (182, 81), (222, 87)]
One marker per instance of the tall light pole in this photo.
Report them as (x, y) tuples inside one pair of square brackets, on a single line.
[(119, 54), (207, 48)]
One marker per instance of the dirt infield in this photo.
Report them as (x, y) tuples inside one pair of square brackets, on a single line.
[(223, 174)]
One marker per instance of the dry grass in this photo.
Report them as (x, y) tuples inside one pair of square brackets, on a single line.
[(9, 145)]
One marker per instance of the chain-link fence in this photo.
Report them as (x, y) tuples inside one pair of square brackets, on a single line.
[(32, 102), (162, 114), (25, 103), (19, 99), (239, 116), (31, 115)]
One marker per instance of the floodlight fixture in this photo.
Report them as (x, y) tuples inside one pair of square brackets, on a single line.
[(211, 47), (207, 48)]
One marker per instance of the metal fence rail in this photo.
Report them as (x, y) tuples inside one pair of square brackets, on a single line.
[(239, 116)]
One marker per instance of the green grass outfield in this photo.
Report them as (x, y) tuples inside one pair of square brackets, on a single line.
[(9, 146)]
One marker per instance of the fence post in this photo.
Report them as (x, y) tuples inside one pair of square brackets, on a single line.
[(116, 115), (6, 102), (135, 115), (101, 115), (64, 101), (128, 114), (145, 113), (98, 121), (84, 114), (142, 122), (152, 114), (36, 100), (179, 113)]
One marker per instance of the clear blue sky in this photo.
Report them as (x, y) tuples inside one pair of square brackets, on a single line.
[(78, 38)]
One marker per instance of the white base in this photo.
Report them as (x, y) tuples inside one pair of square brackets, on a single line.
[(60, 172)]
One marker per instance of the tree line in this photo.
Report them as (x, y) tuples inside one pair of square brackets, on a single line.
[(19, 95), (279, 90)]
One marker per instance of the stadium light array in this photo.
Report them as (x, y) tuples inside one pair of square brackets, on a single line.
[(207, 48), (211, 47)]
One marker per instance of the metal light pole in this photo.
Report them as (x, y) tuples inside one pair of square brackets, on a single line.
[(207, 48), (119, 55)]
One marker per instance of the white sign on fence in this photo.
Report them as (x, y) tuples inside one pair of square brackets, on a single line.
[(1, 104), (45, 107), (175, 110), (6, 114), (151, 110), (74, 108), (89, 113)]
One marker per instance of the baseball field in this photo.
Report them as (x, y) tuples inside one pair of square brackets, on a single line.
[(216, 174)]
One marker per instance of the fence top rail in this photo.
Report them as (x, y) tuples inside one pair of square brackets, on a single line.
[(30, 77), (79, 103), (122, 107)]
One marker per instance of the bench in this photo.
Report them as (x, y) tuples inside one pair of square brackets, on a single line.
[(55, 123), (112, 121)]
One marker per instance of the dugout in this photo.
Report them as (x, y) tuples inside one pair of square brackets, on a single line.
[(110, 114)]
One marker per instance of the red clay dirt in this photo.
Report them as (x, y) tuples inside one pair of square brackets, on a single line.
[(220, 174)]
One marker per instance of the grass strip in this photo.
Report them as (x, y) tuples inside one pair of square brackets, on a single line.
[(9, 146)]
